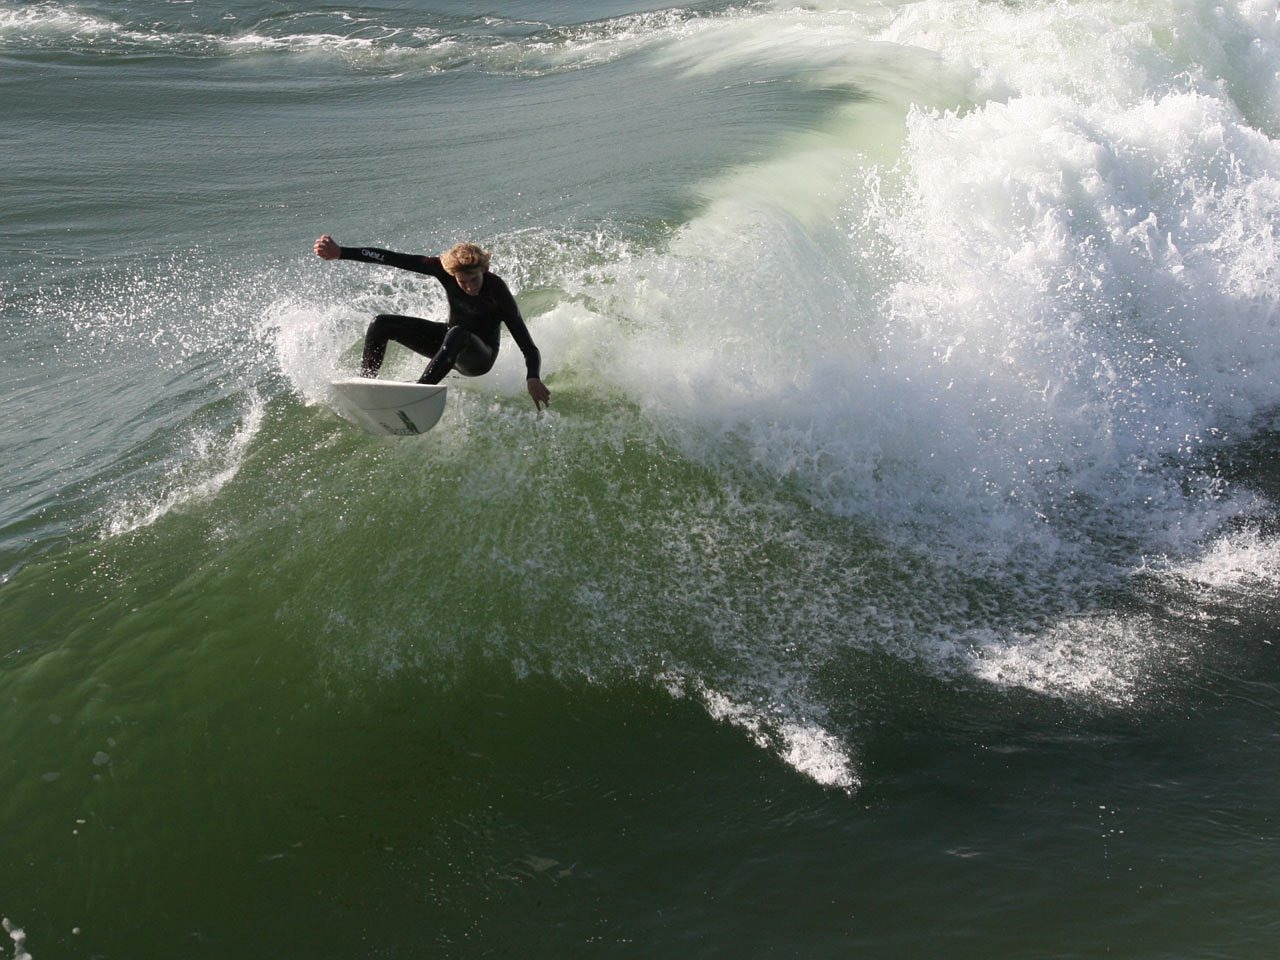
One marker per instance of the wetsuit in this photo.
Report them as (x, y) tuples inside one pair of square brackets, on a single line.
[(469, 341)]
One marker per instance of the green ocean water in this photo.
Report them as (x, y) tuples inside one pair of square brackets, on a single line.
[(893, 574)]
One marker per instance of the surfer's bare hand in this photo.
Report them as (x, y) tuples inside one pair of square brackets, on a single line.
[(538, 390), (327, 248)]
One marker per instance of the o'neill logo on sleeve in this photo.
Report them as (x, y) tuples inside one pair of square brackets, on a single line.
[(373, 255)]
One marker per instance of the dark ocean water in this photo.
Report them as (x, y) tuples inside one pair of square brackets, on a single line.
[(894, 574)]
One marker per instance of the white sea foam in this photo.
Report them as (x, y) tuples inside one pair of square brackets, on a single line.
[(51, 24), (211, 461), (803, 745), (51, 19), (309, 344), (1078, 283), (1238, 562), (19, 938), (487, 43)]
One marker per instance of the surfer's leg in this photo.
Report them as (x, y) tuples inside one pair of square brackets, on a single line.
[(420, 336), (469, 353)]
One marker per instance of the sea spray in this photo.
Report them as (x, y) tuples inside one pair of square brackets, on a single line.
[(19, 938)]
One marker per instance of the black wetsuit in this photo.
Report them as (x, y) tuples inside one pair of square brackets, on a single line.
[(469, 341)]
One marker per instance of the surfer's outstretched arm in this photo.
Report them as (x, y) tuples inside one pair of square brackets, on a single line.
[(326, 248)]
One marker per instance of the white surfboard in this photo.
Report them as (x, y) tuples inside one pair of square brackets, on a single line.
[(390, 407)]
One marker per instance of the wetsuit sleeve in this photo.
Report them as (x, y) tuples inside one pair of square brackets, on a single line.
[(388, 258), (520, 334), (505, 307)]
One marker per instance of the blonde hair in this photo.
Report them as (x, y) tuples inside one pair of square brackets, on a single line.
[(463, 257)]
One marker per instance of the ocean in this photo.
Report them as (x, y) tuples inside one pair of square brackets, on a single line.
[(894, 574)]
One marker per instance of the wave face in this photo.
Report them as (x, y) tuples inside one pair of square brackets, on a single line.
[(981, 329), (900, 351)]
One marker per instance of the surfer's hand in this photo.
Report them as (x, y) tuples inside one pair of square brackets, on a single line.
[(538, 390), (327, 248)]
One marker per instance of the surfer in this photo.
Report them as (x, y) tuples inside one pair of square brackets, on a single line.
[(479, 302)]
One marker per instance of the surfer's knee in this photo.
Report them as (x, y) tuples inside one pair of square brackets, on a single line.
[(455, 340)]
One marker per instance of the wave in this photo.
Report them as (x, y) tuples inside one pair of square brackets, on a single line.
[(1044, 290), (362, 40), (968, 399), (949, 374), (1016, 351)]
